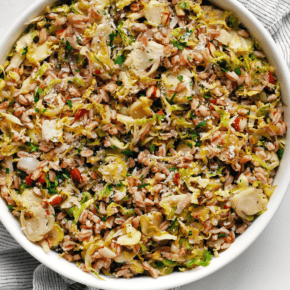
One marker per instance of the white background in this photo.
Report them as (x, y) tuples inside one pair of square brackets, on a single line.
[(265, 265)]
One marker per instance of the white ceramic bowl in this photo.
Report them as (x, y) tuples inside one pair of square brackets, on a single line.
[(282, 179)]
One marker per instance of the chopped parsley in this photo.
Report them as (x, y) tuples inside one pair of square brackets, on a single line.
[(127, 152), (33, 148), (112, 36), (201, 124), (238, 71), (70, 103), (36, 97), (280, 153), (68, 46), (152, 147), (6, 170), (9, 206), (120, 184), (24, 51), (120, 59)]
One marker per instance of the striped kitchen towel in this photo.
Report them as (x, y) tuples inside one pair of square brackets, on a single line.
[(20, 271)]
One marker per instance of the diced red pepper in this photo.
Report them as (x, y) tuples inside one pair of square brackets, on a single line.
[(76, 175), (59, 32), (271, 78), (236, 124), (28, 180), (80, 113), (97, 72), (176, 179), (47, 212), (160, 112), (41, 179)]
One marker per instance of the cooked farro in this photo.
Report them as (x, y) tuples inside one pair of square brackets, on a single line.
[(138, 137)]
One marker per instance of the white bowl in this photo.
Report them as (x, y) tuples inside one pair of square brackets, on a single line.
[(69, 270)]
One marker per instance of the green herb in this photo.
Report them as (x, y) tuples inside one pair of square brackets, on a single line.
[(127, 152), (104, 12), (36, 97), (194, 136), (120, 59), (180, 78), (178, 44), (6, 170), (9, 206), (198, 144), (113, 147), (69, 47), (190, 98), (223, 65), (143, 185), (171, 100), (36, 110), (252, 57), (65, 220), (238, 71), (150, 59), (70, 103), (112, 36), (189, 145), (280, 153), (120, 184), (79, 41), (24, 51), (206, 96), (152, 147), (44, 110), (219, 147), (103, 219), (190, 233), (77, 70), (173, 168), (223, 235), (201, 124), (52, 191), (33, 148)]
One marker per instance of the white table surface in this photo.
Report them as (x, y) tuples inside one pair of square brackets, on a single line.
[(264, 266)]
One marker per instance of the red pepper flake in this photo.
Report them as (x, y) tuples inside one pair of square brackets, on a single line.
[(176, 179), (28, 180), (76, 175), (80, 113), (41, 179)]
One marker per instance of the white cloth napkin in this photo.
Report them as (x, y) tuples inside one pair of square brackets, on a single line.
[(20, 271)]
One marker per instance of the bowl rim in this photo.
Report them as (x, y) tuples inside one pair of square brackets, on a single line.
[(69, 270)]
